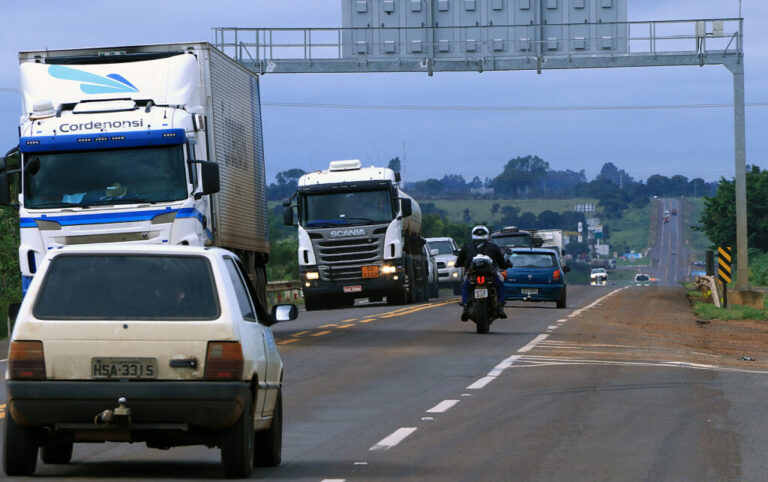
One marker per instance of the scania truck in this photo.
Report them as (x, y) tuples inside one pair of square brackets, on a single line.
[(359, 237), (144, 144)]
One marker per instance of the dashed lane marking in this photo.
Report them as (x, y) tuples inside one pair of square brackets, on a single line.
[(329, 325), (2, 411), (322, 333), (552, 327), (289, 340), (347, 325), (395, 438), (367, 320), (349, 320), (443, 406), (300, 333)]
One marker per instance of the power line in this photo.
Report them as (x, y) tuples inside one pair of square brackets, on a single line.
[(501, 108), (504, 108)]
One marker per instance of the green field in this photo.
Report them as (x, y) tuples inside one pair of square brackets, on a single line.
[(480, 209), (630, 232), (696, 241)]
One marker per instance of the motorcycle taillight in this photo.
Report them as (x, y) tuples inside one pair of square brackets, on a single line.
[(481, 280)]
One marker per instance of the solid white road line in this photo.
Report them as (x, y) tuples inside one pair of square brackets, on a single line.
[(530, 346), (334, 480), (395, 438), (443, 406)]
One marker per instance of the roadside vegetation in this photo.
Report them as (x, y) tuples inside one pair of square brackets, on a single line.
[(706, 310), (10, 280)]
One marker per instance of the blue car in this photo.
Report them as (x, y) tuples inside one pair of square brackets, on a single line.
[(535, 274)]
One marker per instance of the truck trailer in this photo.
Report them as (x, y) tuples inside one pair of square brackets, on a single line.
[(141, 144), (359, 237)]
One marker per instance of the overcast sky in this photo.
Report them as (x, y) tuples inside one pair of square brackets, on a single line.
[(692, 142)]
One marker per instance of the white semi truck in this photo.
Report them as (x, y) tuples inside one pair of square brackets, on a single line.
[(359, 237), (144, 144)]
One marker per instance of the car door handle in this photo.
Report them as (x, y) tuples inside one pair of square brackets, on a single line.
[(184, 363)]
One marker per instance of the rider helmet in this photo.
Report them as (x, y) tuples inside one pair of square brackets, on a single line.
[(480, 232)]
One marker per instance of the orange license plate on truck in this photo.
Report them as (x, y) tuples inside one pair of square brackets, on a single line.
[(370, 272)]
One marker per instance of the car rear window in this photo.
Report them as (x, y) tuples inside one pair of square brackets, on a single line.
[(532, 260), (135, 287)]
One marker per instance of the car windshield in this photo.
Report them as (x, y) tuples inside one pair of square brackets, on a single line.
[(130, 287), (347, 208), (444, 247), (598, 271), (512, 240), (641, 277), (93, 178), (532, 260)]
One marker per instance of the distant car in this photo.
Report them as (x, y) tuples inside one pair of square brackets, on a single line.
[(535, 274), (432, 278), (642, 278), (598, 276), (448, 273), (674, 212), (143, 343)]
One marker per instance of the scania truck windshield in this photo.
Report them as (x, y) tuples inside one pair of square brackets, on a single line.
[(93, 178), (346, 208)]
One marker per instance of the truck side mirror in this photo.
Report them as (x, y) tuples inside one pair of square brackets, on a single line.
[(406, 207), (5, 189), (13, 312), (210, 177), (566, 269), (288, 216)]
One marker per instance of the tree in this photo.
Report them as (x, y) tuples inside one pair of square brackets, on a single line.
[(287, 181), (718, 220), (495, 209), (615, 175), (467, 218), (520, 175), (659, 185), (394, 164)]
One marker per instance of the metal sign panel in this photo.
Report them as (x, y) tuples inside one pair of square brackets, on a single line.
[(475, 28)]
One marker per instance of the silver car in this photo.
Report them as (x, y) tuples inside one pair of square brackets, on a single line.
[(448, 273)]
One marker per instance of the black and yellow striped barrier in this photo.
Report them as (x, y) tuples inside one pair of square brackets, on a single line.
[(724, 261)]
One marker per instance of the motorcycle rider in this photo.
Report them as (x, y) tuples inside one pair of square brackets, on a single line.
[(480, 244)]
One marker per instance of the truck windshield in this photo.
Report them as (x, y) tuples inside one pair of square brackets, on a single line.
[(512, 240), (93, 178), (345, 208), (129, 287)]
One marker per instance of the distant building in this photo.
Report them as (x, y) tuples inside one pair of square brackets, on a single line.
[(481, 191)]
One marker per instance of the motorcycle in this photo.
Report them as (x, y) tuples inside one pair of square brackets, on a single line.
[(483, 302)]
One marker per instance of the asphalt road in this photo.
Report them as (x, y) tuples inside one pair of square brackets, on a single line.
[(668, 255), (383, 393)]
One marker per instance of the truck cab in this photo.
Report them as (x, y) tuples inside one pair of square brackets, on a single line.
[(359, 237)]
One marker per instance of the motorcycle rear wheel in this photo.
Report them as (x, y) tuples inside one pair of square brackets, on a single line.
[(481, 316)]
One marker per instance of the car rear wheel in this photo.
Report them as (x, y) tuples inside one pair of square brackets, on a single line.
[(561, 301), (269, 443), (57, 451), (237, 445), (20, 448)]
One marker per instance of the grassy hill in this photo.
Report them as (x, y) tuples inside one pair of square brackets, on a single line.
[(480, 209)]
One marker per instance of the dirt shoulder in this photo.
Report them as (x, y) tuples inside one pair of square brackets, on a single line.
[(657, 324)]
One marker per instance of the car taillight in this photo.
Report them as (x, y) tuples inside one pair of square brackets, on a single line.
[(556, 275), (481, 280), (224, 361), (26, 360)]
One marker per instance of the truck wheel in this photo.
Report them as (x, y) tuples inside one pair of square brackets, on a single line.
[(269, 443), (411, 296), (435, 291), (57, 451), (457, 288), (20, 448), (480, 318), (561, 301), (237, 445)]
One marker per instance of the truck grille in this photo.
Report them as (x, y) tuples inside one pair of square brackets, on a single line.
[(342, 259)]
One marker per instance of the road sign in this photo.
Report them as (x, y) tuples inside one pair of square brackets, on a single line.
[(724, 259)]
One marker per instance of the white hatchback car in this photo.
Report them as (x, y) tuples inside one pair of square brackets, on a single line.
[(143, 343)]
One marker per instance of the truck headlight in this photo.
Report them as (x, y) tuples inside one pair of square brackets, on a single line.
[(312, 275), (450, 264), (388, 269)]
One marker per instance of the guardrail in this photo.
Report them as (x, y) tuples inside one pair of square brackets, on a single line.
[(284, 292)]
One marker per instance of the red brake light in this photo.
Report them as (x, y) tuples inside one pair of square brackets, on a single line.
[(481, 280), (26, 360), (556, 275), (224, 361)]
